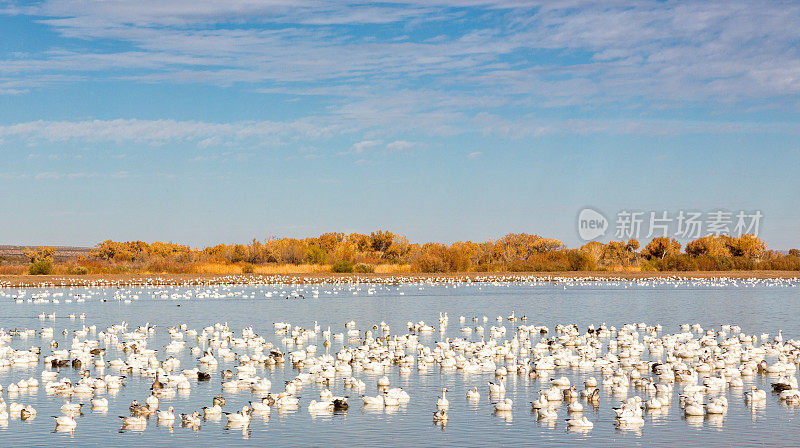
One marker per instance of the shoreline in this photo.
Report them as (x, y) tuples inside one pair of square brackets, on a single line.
[(119, 280)]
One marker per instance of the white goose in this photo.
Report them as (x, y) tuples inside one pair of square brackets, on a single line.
[(167, 416), (497, 388), (239, 418), (504, 405), (66, 421), (133, 422), (443, 402), (581, 422), (260, 406)]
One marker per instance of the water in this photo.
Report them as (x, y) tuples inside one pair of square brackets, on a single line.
[(759, 306)]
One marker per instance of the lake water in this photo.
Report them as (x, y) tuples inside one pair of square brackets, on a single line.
[(756, 306)]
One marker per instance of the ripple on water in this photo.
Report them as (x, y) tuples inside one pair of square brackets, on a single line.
[(757, 308)]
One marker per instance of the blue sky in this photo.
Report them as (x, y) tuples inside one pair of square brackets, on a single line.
[(202, 121)]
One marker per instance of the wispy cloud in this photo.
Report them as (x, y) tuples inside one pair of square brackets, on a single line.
[(59, 175), (159, 131), (206, 135), (365, 145), (51, 175), (401, 145), (532, 126), (643, 52)]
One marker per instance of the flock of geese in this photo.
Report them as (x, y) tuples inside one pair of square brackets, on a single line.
[(642, 367), (78, 289)]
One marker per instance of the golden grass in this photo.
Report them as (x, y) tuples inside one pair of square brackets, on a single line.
[(13, 270), (267, 269), (273, 269), (624, 268), (217, 268), (283, 269), (393, 269)]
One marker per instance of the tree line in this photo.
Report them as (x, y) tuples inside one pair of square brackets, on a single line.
[(391, 252)]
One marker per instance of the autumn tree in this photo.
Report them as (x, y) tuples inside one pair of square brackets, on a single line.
[(105, 250), (521, 246), (40, 253), (328, 241), (594, 249), (344, 251), (661, 247), (580, 260), (315, 255), (711, 245), (748, 246), (620, 252), (398, 250), (362, 242), (467, 252), (380, 241), (431, 257), (41, 260)]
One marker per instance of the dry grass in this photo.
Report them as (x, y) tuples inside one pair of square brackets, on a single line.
[(268, 269), (283, 269), (13, 269), (273, 269), (393, 269), (217, 268), (624, 268)]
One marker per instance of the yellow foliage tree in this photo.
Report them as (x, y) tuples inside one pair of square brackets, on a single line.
[(711, 245), (661, 247), (747, 245)]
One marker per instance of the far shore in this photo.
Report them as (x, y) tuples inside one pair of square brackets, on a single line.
[(30, 281)]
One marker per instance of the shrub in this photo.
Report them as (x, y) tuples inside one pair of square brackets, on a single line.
[(787, 263), (363, 268), (429, 263), (580, 261), (316, 255), (248, 269), (41, 267), (342, 266), (679, 262), (78, 270)]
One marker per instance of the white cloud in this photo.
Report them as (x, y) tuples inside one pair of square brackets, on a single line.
[(474, 155), (400, 145), (53, 175), (364, 146), (532, 126), (159, 131), (210, 135)]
